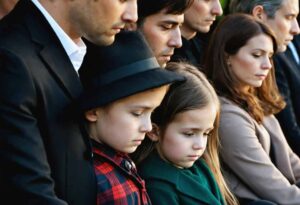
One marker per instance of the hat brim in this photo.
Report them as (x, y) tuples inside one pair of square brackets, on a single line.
[(125, 87)]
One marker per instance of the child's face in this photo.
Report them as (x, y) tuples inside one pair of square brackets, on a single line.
[(122, 125), (185, 138)]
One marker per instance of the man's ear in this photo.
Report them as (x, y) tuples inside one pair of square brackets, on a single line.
[(91, 115), (259, 12), (154, 134)]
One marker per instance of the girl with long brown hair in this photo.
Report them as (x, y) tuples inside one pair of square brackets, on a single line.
[(184, 167)]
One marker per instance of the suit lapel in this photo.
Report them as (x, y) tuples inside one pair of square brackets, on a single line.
[(62, 69), (52, 51), (290, 57), (289, 61)]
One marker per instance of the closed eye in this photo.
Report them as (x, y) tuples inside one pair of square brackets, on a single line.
[(256, 55), (189, 134), (207, 134)]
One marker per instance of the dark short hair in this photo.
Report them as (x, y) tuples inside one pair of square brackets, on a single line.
[(150, 7)]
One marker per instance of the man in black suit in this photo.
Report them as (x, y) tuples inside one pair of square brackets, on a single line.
[(45, 158), (287, 71), (198, 20)]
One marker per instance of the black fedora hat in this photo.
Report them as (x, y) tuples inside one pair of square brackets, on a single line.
[(127, 67)]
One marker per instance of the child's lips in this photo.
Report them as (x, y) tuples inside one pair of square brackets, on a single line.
[(138, 141), (194, 156)]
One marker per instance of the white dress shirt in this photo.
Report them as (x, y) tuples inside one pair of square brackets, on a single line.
[(76, 52)]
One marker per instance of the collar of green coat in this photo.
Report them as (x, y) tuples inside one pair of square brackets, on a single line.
[(156, 168)]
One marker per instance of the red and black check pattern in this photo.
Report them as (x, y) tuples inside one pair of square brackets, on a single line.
[(117, 180)]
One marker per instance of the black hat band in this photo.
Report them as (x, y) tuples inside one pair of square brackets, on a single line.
[(128, 70)]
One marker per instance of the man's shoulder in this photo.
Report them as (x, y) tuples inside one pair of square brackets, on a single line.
[(13, 37), (23, 26), (14, 32)]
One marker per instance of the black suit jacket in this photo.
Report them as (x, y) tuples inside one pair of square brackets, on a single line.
[(192, 51), (288, 80), (44, 157)]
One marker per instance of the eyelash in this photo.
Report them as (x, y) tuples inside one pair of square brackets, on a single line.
[(192, 134), (208, 134), (137, 114), (166, 27)]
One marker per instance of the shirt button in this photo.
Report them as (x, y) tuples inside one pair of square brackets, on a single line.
[(128, 165)]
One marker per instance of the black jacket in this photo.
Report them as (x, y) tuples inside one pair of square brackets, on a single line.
[(44, 157), (192, 51), (288, 80)]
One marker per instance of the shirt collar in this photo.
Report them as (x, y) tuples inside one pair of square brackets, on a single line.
[(294, 52), (119, 158), (75, 51)]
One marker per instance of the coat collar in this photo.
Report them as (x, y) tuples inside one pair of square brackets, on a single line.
[(185, 184), (51, 50)]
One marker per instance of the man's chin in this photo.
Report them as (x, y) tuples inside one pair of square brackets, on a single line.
[(162, 61), (162, 64), (203, 29), (103, 40), (108, 40), (281, 48)]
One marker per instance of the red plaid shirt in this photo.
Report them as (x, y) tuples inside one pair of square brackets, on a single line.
[(117, 180)]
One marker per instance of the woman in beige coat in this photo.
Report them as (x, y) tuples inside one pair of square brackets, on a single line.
[(258, 162)]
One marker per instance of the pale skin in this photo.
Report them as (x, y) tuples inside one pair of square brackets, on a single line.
[(97, 20), (252, 63), (199, 17), (122, 125), (185, 138), (163, 35), (284, 24)]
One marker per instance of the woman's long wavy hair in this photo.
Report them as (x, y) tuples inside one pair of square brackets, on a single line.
[(231, 34), (195, 93)]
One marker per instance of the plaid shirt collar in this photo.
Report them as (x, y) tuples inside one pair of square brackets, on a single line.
[(120, 159), (122, 162)]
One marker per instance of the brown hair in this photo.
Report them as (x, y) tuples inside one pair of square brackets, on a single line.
[(232, 33), (195, 93)]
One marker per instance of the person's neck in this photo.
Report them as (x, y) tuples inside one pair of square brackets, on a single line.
[(187, 33), (59, 10)]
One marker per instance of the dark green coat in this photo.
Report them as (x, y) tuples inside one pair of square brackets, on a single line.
[(168, 185)]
